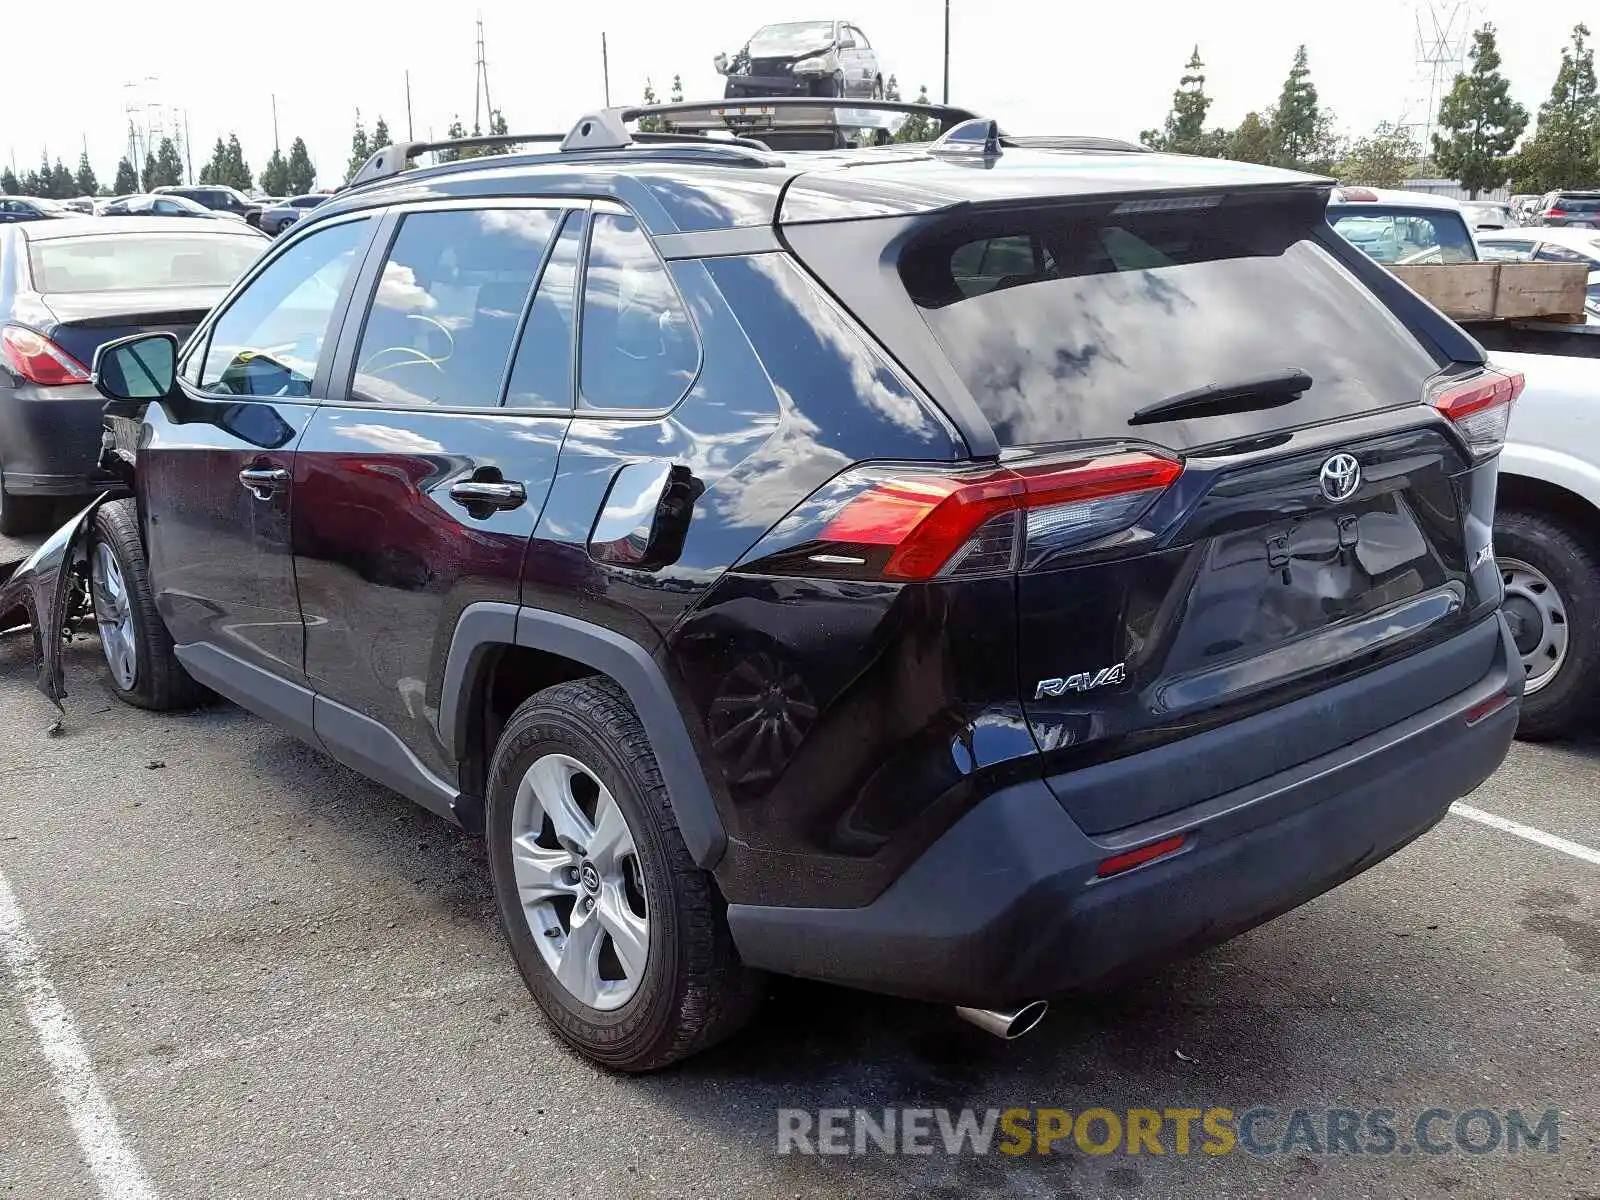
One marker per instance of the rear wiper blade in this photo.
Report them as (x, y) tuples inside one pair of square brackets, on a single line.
[(1219, 399)]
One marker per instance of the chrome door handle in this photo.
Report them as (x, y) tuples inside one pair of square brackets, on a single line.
[(477, 493), (264, 481)]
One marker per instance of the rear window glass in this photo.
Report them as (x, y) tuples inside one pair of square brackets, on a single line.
[(1063, 324), (133, 262), (1578, 204), (1403, 235)]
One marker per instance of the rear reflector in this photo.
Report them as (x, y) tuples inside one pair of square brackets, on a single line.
[(969, 523), (1479, 406), (39, 360), (1487, 708), (1130, 859)]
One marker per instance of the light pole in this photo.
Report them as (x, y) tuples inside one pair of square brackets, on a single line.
[(947, 51)]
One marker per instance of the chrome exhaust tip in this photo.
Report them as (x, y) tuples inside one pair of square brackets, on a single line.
[(1008, 1024)]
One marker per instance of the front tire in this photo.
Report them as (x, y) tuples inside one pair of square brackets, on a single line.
[(143, 668), (1551, 578), (621, 938)]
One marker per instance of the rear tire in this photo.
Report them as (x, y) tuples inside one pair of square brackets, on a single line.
[(691, 990), (142, 668), (1552, 602), (22, 515)]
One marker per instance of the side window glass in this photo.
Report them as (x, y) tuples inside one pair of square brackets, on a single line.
[(541, 376), (269, 340), (1550, 252), (638, 346), (448, 305)]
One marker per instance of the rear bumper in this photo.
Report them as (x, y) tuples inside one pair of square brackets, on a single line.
[(50, 440), (754, 86), (1006, 905)]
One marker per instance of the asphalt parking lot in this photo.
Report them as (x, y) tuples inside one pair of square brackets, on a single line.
[(288, 982)]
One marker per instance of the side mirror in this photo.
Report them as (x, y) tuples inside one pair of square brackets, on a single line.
[(132, 371), (720, 62)]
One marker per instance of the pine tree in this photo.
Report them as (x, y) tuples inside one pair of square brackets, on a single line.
[(497, 123), (1185, 131), (168, 164), (61, 184), (360, 149), (891, 90), (215, 170), (28, 185), (650, 124), (302, 175), (380, 136), (84, 183), (676, 95), (457, 130), (275, 175), (239, 173), (10, 185), (127, 180), (1482, 120), (1296, 124), (1252, 141), (918, 127), (1564, 152)]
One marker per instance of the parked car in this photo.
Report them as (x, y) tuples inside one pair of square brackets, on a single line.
[(1547, 520), (82, 205), (100, 205), (218, 198), (1488, 214), (14, 209), (1572, 209), (781, 588), (1568, 245), (66, 287), (1402, 227), (152, 205), (277, 218), (805, 58)]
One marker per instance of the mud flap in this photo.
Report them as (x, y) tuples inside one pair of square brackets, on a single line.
[(40, 589)]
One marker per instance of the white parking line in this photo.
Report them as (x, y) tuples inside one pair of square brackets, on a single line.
[(1538, 836), (111, 1160)]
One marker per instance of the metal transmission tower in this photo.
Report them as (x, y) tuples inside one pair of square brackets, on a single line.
[(1444, 35), (480, 88)]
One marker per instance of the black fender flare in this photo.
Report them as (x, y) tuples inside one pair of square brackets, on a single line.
[(486, 625)]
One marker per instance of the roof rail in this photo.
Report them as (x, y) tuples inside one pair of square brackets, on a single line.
[(1073, 141), (948, 116), (595, 132)]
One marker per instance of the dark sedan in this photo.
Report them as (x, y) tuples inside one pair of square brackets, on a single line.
[(151, 205), (29, 208), (66, 286)]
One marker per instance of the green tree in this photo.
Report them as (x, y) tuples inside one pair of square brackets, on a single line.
[(215, 169), (1564, 151), (10, 185), (380, 136), (1185, 130), (891, 90), (1386, 158), (302, 175), (239, 174), (649, 124), (918, 127), (676, 95), (1296, 119), (1252, 141), (497, 123), (84, 183), (127, 180), (28, 185), (275, 175), (61, 184), (360, 149), (1481, 119), (163, 168), (45, 177), (456, 131)]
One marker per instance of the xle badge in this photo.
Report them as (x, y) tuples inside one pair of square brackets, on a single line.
[(1083, 681)]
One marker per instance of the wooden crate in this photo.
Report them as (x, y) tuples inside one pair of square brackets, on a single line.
[(1501, 291)]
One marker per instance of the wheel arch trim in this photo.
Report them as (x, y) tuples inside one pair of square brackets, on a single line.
[(487, 625)]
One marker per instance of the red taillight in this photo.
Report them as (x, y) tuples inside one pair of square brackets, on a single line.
[(1556, 212), (39, 360), (1487, 708), (1480, 406), (1130, 859), (977, 523)]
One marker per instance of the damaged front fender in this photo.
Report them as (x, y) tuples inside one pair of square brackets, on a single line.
[(39, 592)]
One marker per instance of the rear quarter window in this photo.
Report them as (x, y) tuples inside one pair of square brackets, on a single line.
[(1106, 312)]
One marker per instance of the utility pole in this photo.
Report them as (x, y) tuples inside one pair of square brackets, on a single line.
[(274, 123), (605, 67), (947, 51), (410, 137), (188, 156), (480, 86)]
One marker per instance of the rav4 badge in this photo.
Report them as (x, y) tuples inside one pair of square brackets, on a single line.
[(1083, 681)]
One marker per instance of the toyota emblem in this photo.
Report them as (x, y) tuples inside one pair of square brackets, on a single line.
[(1341, 476)]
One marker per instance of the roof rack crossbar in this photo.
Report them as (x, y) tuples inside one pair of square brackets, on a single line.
[(948, 116)]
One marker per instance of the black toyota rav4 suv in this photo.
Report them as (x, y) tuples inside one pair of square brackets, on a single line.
[(966, 571)]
